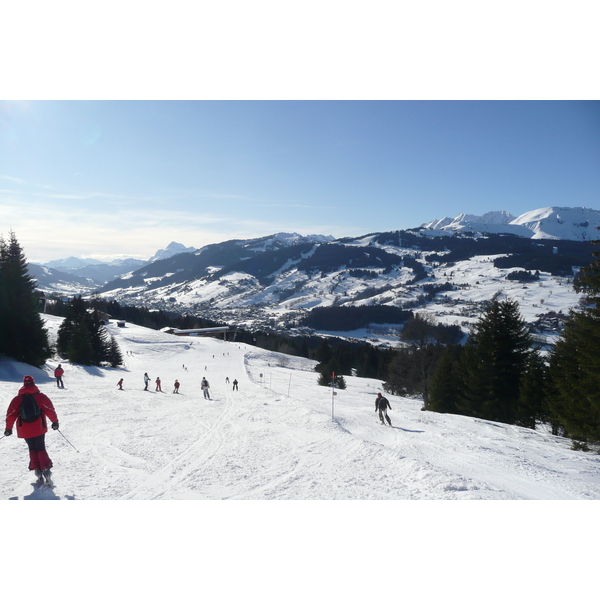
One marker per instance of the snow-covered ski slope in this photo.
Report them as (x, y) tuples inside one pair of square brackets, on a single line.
[(273, 439)]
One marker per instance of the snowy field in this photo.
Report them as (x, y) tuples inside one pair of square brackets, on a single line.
[(275, 439)]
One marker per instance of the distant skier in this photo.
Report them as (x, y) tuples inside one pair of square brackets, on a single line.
[(120, 384), (158, 388), (31, 409), (146, 381), (58, 373), (176, 390), (204, 386), (226, 379), (235, 385), (381, 405)]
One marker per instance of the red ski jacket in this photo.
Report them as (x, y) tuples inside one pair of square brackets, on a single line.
[(58, 372), (39, 426)]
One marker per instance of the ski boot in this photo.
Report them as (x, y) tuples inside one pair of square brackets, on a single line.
[(40, 477), (48, 477)]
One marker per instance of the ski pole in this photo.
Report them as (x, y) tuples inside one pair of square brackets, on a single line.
[(61, 433)]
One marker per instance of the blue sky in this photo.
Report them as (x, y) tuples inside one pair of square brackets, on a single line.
[(110, 178)]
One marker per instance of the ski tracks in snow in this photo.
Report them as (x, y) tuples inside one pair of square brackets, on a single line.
[(184, 467)]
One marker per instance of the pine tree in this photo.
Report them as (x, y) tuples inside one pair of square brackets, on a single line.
[(532, 399), (495, 357), (22, 330), (327, 363), (82, 338), (445, 391), (574, 387), (574, 370), (115, 357), (324, 379), (4, 315), (79, 345), (340, 382)]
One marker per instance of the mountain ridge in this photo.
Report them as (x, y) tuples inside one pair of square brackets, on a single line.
[(273, 282), (567, 223)]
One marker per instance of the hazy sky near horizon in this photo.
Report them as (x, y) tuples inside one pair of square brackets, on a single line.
[(113, 178)]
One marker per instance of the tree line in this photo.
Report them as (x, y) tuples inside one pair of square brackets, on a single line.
[(500, 373)]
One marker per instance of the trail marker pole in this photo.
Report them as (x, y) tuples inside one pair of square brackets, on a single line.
[(332, 394)]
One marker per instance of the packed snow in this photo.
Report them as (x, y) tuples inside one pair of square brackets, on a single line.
[(280, 436)]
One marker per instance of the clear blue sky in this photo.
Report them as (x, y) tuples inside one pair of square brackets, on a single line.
[(105, 178)]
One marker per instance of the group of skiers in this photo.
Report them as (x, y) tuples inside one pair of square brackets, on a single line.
[(204, 385), (158, 383), (31, 410)]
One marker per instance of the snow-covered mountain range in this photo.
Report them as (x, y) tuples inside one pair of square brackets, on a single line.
[(545, 223), (87, 274), (446, 267)]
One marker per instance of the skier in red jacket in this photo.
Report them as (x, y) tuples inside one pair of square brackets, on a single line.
[(33, 432), (58, 373)]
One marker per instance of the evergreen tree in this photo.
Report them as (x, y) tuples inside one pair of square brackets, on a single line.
[(327, 363), (574, 370), (115, 357), (445, 394), (532, 399), (82, 338), (4, 315), (79, 345), (401, 376), (496, 354), (22, 332), (340, 382), (326, 380)]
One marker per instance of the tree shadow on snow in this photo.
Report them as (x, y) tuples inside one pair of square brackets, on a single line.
[(94, 371), (13, 371)]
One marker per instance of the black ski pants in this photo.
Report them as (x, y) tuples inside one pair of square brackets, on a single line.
[(37, 443), (383, 413)]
